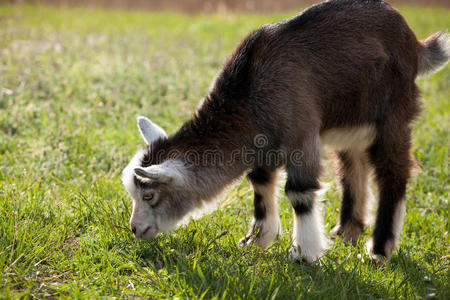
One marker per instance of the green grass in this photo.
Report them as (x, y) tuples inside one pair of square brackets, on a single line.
[(71, 85)]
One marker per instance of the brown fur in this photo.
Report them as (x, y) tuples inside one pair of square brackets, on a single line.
[(341, 64)]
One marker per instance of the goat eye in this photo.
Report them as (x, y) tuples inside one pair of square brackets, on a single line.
[(148, 197)]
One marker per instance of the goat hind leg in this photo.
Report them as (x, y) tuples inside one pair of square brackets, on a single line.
[(354, 173), (393, 163)]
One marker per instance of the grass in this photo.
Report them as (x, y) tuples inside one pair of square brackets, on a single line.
[(71, 85)]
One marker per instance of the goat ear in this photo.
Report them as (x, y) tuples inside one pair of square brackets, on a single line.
[(162, 173), (154, 174), (149, 130)]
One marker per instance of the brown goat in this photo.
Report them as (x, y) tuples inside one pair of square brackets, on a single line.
[(341, 73)]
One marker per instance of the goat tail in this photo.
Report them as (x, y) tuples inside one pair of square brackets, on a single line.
[(435, 53)]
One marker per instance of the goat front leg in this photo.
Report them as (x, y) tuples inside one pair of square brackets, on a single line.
[(309, 240), (266, 225)]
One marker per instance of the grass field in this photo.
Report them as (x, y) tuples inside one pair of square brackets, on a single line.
[(71, 85)]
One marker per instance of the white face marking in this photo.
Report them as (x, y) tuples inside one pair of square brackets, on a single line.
[(349, 138), (143, 220), (148, 221), (128, 174)]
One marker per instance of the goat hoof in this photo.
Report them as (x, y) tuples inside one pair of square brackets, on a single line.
[(297, 257), (375, 258), (251, 237), (245, 241), (350, 233), (336, 232)]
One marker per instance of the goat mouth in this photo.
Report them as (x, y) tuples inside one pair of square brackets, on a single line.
[(149, 232), (146, 231)]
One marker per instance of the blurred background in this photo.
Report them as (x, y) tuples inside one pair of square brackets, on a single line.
[(207, 6)]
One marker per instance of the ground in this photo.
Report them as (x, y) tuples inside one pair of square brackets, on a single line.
[(71, 85)]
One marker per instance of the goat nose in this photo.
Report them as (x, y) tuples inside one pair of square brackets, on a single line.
[(133, 229)]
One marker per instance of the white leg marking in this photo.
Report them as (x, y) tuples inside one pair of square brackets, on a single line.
[(397, 224), (391, 244), (309, 239), (263, 232)]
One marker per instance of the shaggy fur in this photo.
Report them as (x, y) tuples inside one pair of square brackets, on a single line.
[(342, 73)]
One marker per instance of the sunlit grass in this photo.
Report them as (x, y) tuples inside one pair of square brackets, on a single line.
[(72, 83)]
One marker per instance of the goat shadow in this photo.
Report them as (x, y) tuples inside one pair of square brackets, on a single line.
[(207, 268)]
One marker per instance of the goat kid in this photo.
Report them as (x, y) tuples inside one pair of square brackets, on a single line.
[(341, 73)]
